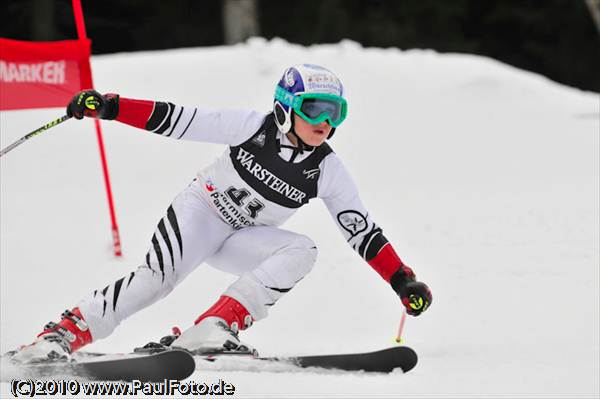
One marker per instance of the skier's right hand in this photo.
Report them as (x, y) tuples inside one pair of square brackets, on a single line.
[(92, 104)]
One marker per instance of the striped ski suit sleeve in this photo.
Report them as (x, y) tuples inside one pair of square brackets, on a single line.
[(340, 194), (221, 126)]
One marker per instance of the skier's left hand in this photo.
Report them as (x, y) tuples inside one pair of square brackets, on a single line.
[(416, 297)]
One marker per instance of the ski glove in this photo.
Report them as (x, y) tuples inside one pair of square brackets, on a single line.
[(92, 104), (415, 295)]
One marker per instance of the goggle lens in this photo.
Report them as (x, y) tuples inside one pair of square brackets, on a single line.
[(313, 108)]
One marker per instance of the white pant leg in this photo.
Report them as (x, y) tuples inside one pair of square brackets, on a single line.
[(269, 261), (189, 233)]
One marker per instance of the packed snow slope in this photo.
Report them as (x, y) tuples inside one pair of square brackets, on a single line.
[(483, 176)]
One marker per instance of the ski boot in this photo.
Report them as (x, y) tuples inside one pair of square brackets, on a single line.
[(57, 341), (214, 332), (211, 336)]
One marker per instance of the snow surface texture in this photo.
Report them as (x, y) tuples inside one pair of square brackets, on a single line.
[(483, 176)]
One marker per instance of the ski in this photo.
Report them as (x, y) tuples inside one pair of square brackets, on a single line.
[(382, 361), (172, 364), (179, 364)]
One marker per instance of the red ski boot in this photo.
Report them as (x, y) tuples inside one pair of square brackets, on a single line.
[(57, 341), (216, 330)]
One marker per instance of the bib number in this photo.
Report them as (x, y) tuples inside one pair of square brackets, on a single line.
[(239, 196)]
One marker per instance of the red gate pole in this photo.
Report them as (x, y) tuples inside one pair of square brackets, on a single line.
[(81, 33)]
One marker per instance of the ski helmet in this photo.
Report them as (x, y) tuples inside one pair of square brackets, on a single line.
[(312, 92)]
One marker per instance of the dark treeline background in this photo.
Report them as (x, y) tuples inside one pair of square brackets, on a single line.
[(556, 38)]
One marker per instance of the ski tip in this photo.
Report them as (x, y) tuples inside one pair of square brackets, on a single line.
[(172, 364), (185, 361), (407, 359)]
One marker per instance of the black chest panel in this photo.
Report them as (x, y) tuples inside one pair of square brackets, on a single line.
[(288, 184)]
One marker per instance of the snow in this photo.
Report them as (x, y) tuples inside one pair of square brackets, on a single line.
[(483, 176)]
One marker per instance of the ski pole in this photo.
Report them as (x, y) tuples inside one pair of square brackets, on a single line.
[(34, 133), (401, 327)]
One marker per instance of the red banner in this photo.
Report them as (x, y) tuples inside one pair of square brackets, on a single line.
[(42, 74)]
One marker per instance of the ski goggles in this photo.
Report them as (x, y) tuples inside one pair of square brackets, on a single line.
[(315, 108)]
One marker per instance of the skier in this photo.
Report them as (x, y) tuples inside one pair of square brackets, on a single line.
[(229, 215)]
